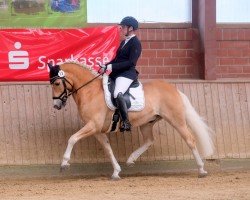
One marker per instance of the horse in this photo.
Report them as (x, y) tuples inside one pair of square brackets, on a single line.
[(162, 101)]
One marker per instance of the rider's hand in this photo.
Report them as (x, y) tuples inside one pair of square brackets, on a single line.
[(103, 69), (109, 67)]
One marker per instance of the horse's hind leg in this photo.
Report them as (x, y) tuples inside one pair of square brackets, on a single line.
[(190, 140), (148, 137), (104, 141)]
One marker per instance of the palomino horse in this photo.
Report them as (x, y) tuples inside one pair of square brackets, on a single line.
[(162, 101)]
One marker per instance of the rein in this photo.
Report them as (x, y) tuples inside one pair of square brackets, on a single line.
[(72, 92)]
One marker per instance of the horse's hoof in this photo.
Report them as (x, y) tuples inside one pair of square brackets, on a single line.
[(130, 164), (64, 167), (202, 175), (115, 178)]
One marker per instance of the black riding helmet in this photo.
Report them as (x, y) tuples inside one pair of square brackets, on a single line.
[(130, 21)]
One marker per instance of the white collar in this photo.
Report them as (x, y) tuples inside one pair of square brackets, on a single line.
[(129, 37)]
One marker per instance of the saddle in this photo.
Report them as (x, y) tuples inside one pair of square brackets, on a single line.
[(134, 96), (127, 95)]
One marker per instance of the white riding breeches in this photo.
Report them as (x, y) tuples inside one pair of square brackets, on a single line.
[(121, 85)]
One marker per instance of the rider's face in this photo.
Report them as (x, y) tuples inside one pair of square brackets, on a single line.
[(123, 30)]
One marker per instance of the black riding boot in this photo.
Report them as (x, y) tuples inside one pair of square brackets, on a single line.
[(122, 107)]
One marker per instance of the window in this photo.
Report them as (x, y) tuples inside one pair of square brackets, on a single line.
[(233, 11), (145, 11)]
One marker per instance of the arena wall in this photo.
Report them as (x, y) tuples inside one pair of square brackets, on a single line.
[(233, 54), (168, 53), (33, 132), (175, 53)]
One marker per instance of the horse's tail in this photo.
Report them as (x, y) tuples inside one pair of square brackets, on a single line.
[(202, 132)]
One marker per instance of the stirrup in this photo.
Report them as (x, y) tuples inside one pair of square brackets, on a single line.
[(126, 126)]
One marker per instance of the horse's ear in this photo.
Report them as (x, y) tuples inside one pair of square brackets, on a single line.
[(50, 65)]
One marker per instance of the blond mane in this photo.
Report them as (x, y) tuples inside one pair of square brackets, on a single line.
[(94, 72)]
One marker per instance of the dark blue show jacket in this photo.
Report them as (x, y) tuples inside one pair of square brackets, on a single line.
[(124, 63)]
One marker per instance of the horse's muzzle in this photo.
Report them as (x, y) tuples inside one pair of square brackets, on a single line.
[(58, 104), (57, 107)]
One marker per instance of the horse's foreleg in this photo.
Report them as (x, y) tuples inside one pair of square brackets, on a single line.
[(148, 137), (87, 130), (104, 141)]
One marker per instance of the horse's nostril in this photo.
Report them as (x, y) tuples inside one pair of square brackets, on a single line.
[(57, 107)]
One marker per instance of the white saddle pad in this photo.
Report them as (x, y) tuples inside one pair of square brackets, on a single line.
[(137, 104)]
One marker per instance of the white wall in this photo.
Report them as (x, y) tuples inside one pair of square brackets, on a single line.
[(233, 11), (155, 11), (151, 11)]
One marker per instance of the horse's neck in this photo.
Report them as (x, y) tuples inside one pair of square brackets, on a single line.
[(78, 74), (85, 96), (83, 77)]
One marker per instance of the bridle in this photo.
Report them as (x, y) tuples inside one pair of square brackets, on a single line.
[(66, 92)]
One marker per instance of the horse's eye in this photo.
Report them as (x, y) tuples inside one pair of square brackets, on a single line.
[(57, 84)]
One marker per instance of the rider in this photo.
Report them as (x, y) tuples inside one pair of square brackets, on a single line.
[(123, 66)]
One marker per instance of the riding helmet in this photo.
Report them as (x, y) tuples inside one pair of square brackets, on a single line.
[(130, 21)]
